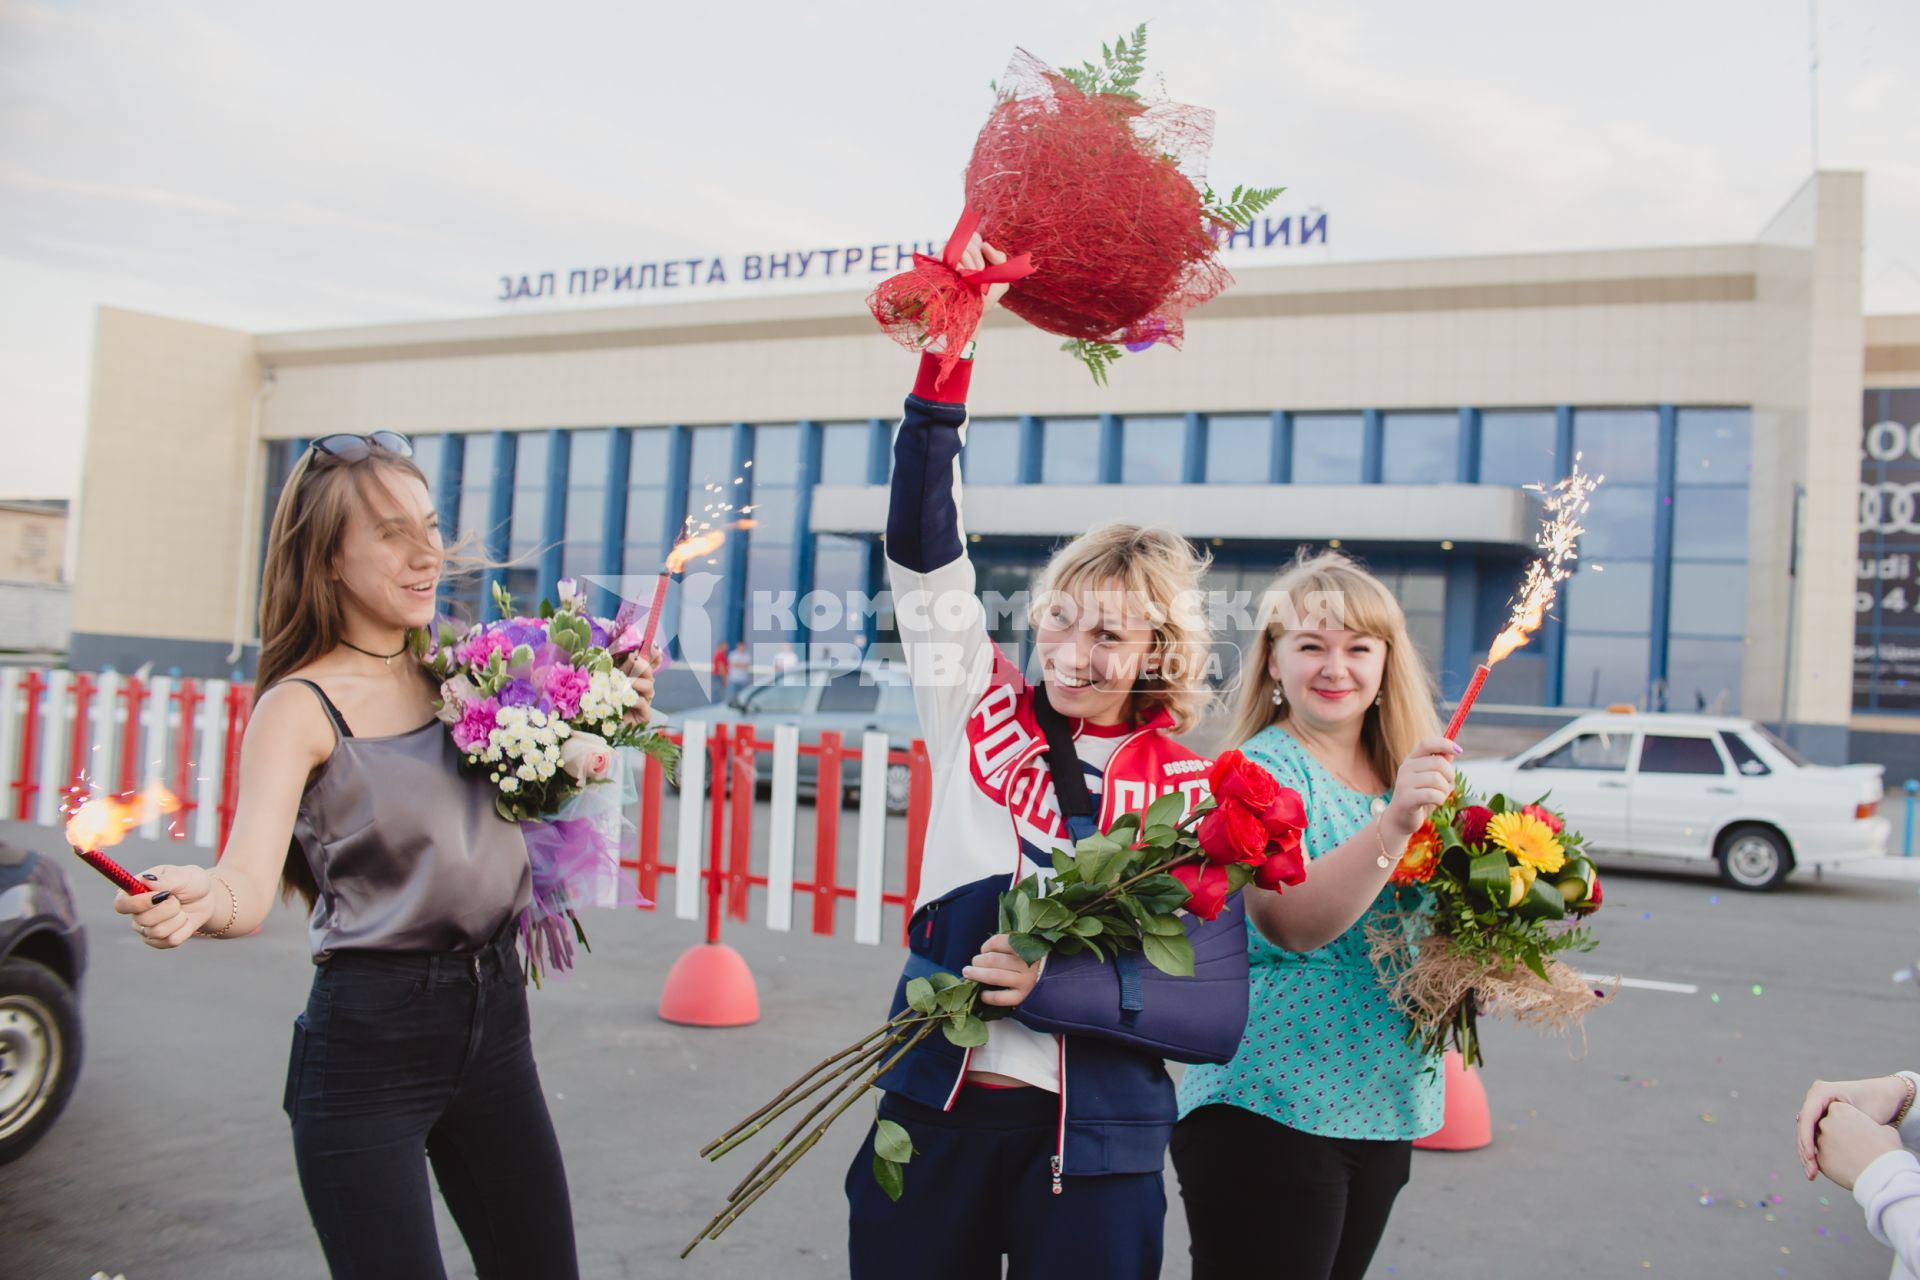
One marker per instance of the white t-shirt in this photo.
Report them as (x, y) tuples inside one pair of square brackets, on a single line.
[(1013, 1050)]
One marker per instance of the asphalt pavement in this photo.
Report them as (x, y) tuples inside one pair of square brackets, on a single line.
[(1661, 1144)]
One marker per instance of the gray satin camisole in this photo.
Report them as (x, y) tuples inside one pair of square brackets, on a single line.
[(408, 853)]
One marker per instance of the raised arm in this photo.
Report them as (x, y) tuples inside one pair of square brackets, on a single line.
[(942, 624)]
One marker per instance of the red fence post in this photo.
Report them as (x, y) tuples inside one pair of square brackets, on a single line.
[(717, 823), (826, 831), (189, 698), (239, 710), (81, 739), (652, 788), (919, 809), (134, 694), (24, 786), (740, 859)]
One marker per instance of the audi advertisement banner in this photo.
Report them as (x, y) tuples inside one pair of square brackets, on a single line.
[(1886, 635)]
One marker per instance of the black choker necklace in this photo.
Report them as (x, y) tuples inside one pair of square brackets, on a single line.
[(384, 657)]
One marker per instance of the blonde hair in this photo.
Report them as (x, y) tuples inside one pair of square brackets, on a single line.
[(1159, 573), (1362, 603)]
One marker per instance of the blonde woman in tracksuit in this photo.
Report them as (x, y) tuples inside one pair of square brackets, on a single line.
[(1048, 1141)]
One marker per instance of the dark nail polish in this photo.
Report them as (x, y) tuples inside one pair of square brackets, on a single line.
[(149, 876), (159, 898)]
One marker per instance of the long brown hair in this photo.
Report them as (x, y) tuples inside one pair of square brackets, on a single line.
[(1406, 711), (302, 614)]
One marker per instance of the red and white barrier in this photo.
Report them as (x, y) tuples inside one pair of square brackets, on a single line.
[(719, 832), (66, 732), (63, 733)]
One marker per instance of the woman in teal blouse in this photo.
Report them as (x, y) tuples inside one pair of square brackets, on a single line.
[(1316, 1115)]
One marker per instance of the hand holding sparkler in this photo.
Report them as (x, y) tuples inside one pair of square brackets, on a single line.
[(168, 904)]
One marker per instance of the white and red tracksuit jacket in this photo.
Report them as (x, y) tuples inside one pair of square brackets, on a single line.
[(994, 820)]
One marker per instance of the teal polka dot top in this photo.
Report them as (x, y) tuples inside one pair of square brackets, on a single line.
[(1325, 1052)]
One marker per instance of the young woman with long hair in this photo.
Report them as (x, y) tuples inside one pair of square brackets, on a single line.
[(414, 1047), (1319, 1108)]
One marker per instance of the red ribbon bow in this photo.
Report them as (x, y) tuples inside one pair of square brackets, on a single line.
[(1017, 267)]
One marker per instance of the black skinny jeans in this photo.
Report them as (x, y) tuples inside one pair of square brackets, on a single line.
[(400, 1057), (1237, 1169)]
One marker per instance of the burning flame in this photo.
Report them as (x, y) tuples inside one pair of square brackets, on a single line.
[(687, 550), (104, 821), (693, 548), (1557, 543)]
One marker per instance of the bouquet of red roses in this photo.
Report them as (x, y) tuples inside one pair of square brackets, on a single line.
[(1120, 889), (1511, 886), (1101, 196)]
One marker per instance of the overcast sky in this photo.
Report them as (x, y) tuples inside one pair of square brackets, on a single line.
[(275, 166)]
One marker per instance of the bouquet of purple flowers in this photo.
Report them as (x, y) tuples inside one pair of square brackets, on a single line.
[(542, 707)]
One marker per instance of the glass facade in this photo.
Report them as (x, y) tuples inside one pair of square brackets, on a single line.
[(1707, 620), (1070, 451), (649, 481), (1420, 448), (1518, 447), (772, 475), (1328, 448), (1152, 450), (992, 455), (586, 510), (1655, 614), (1239, 448), (1609, 604)]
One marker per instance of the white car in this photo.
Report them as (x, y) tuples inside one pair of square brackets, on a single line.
[(1645, 785)]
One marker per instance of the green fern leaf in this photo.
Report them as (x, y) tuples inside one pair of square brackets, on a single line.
[(1097, 356)]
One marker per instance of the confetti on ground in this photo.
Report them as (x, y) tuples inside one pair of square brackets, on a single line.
[(1716, 997), (1708, 1117), (1714, 901), (1756, 988), (1646, 915)]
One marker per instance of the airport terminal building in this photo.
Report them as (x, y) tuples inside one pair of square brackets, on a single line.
[(1753, 548)]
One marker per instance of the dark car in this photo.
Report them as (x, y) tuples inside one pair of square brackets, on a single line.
[(43, 952), (818, 698)]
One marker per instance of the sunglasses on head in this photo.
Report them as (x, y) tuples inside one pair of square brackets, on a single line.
[(353, 448)]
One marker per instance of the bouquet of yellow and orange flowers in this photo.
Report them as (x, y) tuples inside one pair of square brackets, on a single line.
[(1511, 887)]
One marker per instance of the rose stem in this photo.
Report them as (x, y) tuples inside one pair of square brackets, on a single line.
[(728, 1216), (852, 1073), (858, 1045)]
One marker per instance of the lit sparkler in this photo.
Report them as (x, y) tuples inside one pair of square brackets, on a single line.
[(104, 821), (1557, 542)]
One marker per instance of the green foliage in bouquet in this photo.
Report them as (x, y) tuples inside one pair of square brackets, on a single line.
[(1510, 887)]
